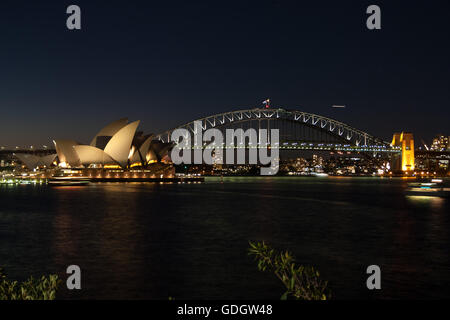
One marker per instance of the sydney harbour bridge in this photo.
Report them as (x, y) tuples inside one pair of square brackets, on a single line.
[(298, 130)]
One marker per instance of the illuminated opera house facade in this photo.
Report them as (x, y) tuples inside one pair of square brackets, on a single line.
[(118, 150)]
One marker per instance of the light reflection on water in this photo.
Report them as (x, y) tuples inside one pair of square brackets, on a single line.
[(152, 241), (434, 202)]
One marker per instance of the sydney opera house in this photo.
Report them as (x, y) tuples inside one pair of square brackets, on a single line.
[(118, 145), (32, 161), (118, 148)]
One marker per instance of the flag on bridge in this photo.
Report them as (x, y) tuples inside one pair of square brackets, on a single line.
[(266, 103)]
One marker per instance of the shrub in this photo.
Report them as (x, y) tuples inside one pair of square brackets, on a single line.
[(301, 282), (43, 288)]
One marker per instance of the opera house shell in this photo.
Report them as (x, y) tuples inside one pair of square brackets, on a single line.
[(32, 161), (118, 145)]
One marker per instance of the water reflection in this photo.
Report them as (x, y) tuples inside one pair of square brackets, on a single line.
[(152, 241), (432, 202)]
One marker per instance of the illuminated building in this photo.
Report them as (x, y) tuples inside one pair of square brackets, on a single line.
[(33, 161), (405, 140), (116, 146), (440, 143)]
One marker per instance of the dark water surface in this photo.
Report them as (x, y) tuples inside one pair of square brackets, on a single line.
[(154, 241)]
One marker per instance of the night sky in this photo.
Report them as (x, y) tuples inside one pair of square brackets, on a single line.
[(166, 63)]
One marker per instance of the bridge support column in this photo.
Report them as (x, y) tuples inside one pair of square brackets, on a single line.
[(405, 140)]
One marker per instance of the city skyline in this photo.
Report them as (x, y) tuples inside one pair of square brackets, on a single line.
[(169, 65)]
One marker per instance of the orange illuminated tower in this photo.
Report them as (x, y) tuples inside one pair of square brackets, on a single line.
[(405, 140)]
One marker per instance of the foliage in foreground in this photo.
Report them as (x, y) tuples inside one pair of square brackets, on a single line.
[(301, 282), (43, 288)]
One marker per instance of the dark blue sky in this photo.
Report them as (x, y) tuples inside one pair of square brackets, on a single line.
[(169, 62)]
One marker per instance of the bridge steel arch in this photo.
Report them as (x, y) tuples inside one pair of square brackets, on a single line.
[(346, 133)]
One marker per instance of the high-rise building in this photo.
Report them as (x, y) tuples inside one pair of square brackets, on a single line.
[(440, 143)]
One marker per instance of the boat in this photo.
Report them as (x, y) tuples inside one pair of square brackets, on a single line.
[(433, 188), (319, 174), (68, 181)]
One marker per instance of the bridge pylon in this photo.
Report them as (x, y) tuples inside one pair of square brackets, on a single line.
[(405, 162)]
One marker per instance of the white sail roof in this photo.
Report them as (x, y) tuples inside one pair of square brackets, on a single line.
[(47, 160), (114, 147), (28, 160), (92, 155), (120, 144), (66, 152), (144, 151), (32, 161), (110, 130)]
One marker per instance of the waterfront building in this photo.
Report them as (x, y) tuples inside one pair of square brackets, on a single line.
[(440, 143), (32, 161), (117, 146)]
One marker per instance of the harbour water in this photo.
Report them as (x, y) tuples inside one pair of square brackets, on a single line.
[(155, 241)]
